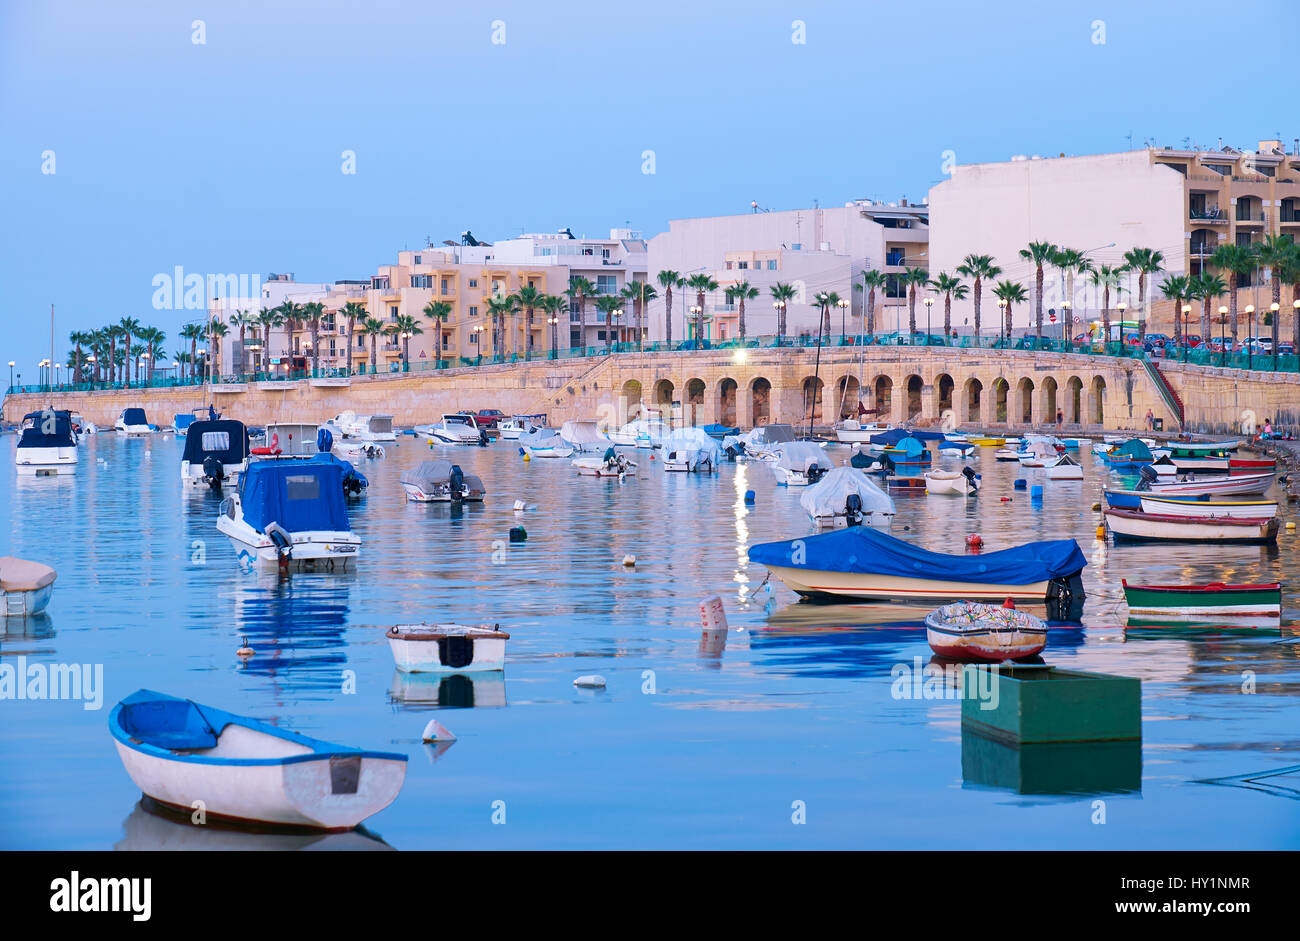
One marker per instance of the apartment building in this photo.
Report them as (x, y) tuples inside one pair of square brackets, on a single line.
[(813, 250)]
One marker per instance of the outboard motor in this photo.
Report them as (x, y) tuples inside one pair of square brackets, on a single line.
[(611, 457), (971, 476), (282, 541), (324, 440), (732, 453), (1065, 598), (1148, 477), (214, 471), (853, 509), (482, 438), (456, 480), (814, 473)]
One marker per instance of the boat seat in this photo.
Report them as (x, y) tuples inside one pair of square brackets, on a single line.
[(172, 724), (24, 575)]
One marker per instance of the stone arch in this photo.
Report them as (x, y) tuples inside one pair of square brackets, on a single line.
[(631, 399), (847, 394), (663, 397), (813, 391), (760, 400), (944, 386), (1097, 400), (914, 385), (727, 390), (1024, 411), (695, 390), (884, 387), (1047, 400), (974, 390), (1074, 400), (1001, 392)]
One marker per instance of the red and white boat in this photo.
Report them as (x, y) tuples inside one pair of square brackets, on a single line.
[(1133, 525), (1241, 465), (969, 630), (1233, 509), (1206, 486)]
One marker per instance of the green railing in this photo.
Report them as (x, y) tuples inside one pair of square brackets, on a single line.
[(1200, 356)]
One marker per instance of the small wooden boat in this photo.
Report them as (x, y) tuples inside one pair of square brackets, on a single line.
[(988, 442), (1130, 525), (447, 648), (956, 483), (612, 464), (1235, 484), (25, 586), (908, 484), (1238, 465), (1176, 602), (973, 631), (178, 752), (1067, 468), (1007, 454), (1233, 509)]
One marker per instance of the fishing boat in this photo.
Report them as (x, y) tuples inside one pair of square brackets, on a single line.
[(216, 453), (987, 442), (851, 431), (799, 463), (968, 630), (759, 443), (1251, 466), (47, 446), (1218, 485), (1065, 468), (544, 442), (458, 428), (955, 483), (292, 439), (179, 753), (584, 436), (1177, 602), (954, 447), (1189, 448), (25, 587), (641, 433), (132, 422), (859, 562), (1181, 506), (908, 454), (1130, 525), (611, 464), (691, 450), (441, 482), (447, 648), (290, 513), (1129, 455), (511, 428), (846, 497), (1007, 455)]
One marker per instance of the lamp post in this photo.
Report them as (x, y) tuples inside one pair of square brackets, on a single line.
[(92, 359), (1002, 320), (1276, 309), (778, 307), (843, 304), (552, 321), (929, 306), (1187, 309), (1223, 336), (1250, 336), (477, 330), (1067, 323), (148, 362), (11, 373), (696, 310)]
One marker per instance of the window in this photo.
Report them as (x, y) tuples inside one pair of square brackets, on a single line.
[(473, 282), (606, 284), (444, 285), (392, 312), (771, 264), (473, 338), (216, 441), (796, 246), (418, 260), (378, 284), (421, 281), (302, 487), (728, 266), (604, 253), (744, 266), (473, 311)]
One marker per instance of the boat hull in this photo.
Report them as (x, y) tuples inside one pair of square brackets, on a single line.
[(1244, 509), (25, 603), (424, 656), (332, 549), (873, 587), (1175, 602), (1231, 484), (1136, 526)]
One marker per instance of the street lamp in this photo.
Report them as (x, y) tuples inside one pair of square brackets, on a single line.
[(779, 308), (11, 373), (929, 305), (1123, 309), (1187, 309), (1223, 336), (843, 304), (1276, 308), (696, 310), (554, 322), (1250, 336), (1002, 320), (1067, 323)]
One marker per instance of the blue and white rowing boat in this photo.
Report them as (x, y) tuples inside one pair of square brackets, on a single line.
[(179, 753)]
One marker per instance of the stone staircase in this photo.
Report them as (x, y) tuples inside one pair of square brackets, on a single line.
[(1167, 392)]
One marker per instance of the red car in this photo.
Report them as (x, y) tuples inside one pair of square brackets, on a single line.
[(488, 417)]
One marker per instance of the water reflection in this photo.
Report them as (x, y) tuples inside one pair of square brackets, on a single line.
[(33, 627), (419, 691), (151, 826), (1065, 768)]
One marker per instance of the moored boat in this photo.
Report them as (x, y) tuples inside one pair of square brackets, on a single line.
[(847, 497), (1067, 468), (1175, 602), (612, 464), (25, 587), (447, 648), (1135, 525), (1220, 485), (691, 450), (441, 482), (133, 422), (799, 463), (242, 769), (956, 483), (458, 428), (1234, 509), (47, 446), (974, 631), (216, 453)]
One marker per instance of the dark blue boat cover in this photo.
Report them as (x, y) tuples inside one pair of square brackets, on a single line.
[(862, 549), (894, 435), (1133, 449), (960, 445), (35, 437), (225, 440), (299, 495), (134, 416)]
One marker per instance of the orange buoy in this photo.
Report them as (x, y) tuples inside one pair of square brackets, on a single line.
[(974, 541)]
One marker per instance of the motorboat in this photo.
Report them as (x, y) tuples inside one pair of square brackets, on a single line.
[(955, 447), (799, 463), (852, 431), (1216, 599), (641, 433), (362, 427), (1007, 454), (846, 497), (759, 443), (25, 587), (1232, 509), (691, 450), (1135, 525), (1130, 455), (181, 753), (967, 630), (47, 446), (545, 442), (82, 426), (1066, 468), (132, 422), (459, 428), (612, 464), (511, 428), (907, 454), (181, 421), (448, 648), (290, 439), (1039, 453), (584, 436), (216, 453), (290, 512), (354, 447), (955, 483), (442, 482), (1213, 485), (860, 562)]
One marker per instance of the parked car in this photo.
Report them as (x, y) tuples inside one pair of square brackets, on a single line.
[(1033, 343), (1193, 340), (488, 417), (1285, 349)]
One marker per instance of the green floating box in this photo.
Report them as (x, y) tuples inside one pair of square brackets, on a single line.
[(1066, 768), (1046, 704)]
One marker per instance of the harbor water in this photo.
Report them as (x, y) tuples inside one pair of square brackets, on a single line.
[(795, 734)]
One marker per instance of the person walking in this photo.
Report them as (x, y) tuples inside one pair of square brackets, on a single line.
[(1151, 419), (1060, 417)]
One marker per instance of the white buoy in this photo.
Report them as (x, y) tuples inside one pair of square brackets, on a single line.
[(629, 560), (591, 681), (520, 506), (244, 652), (713, 616), (435, 731)]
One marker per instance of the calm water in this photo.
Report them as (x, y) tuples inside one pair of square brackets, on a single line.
[(798, 707)]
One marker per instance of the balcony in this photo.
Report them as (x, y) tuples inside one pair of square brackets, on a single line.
[(1250, 218), (1209, 214), (1201, 250)]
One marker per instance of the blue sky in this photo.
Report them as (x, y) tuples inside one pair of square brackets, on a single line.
[(226, 156)]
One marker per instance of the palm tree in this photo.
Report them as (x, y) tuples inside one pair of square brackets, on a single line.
[(192, 332), (352, 312), (949, 286), (312, 312), (77, 338), (1290, 272), (1276, 252), (1012, 292), (1107, 278), (978, 268), (373, 327), (499, 306), (1040, 253), (1235, 260), (737, 294), (438, 312), (1175, 288), (129, 327), (640, 293), (579, 290), (826, 300), (1205, 287), (554, 306), (406, 327), (1144, 261), (701, 283), (269, 318), (872, 280), (912, 278), (1071, 262), (609, 305), (153, 338), (242, 319), (669, 279), (528, 298), (291, 319), (783, 294), (216, 330)]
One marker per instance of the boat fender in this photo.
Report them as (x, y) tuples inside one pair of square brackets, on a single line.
[(1101, 532), (975, 541), (629, 560), (592, 681), (245, 651), (1096, 506), (1006, 500), (1020, 483), (749, 498), (1290, 524)]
